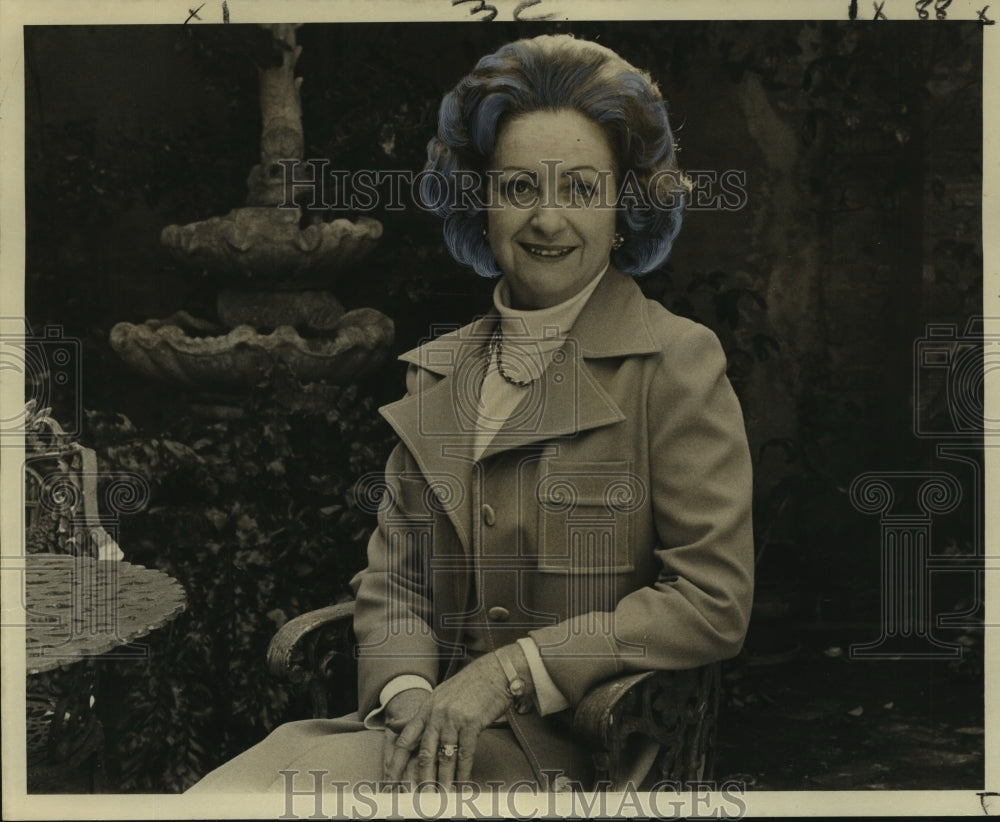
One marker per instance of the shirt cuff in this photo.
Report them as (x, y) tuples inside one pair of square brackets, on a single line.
[(375, 721), (548, 697)]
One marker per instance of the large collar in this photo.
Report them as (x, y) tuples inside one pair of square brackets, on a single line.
[(437, 423), (613, 323)]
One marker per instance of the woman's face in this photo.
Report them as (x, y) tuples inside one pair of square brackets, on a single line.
[(552, 223)]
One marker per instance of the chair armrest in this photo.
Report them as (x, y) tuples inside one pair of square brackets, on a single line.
[(674, 711), (316, 650), (291, 636), (595, 717)]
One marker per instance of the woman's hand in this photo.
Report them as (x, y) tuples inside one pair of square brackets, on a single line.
[(455, 713), (403, 707), (398, 713)]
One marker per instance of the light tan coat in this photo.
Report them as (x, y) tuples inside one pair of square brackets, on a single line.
[(610, 519)]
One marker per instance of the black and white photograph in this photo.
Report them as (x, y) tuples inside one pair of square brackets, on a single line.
[(465, 409)]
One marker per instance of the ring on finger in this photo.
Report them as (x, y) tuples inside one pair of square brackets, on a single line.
[(447, 751)]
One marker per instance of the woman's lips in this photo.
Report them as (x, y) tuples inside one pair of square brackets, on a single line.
[(547, 252)]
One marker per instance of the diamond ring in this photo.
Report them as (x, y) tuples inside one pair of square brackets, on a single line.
[(447, 751)]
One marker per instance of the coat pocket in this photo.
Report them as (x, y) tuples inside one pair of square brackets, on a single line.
[(422, 497), (585, 516)]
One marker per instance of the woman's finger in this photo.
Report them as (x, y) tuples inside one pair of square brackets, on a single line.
[(427, 756), (410, 774), (447, 756), (388, 749), (468, 738), (405, 744)]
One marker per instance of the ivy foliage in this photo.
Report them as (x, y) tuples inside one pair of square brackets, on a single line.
[(256, 517)]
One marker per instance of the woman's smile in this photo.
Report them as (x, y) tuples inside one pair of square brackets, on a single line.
[(548, 252)]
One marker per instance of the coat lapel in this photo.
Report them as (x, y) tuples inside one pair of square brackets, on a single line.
[(436, 424)]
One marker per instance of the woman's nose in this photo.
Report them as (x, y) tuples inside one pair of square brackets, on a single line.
[(548, 216)]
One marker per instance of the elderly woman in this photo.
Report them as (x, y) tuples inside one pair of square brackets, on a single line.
[(570, 499)]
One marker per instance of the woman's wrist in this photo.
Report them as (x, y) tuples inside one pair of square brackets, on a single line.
[(403, 707), (516, 670)]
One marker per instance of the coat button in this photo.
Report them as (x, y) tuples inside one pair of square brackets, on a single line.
[(498, 614), (489, 515), (562, 784)]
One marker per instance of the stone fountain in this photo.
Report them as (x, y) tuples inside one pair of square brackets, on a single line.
[(274, 306)]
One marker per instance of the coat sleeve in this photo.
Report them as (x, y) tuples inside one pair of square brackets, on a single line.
[(697, 610), (393, 610)]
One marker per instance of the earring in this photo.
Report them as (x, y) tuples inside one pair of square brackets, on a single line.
[(486, 233), (618, 242)]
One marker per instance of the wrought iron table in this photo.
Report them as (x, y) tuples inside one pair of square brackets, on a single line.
[(78, 609)]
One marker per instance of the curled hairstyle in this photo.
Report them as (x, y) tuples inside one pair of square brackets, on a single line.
[(554, 72)]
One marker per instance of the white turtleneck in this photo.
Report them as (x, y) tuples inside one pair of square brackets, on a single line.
[(530, 338)]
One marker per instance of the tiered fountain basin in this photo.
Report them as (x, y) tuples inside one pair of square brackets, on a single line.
[(265, 247), (186, 351)]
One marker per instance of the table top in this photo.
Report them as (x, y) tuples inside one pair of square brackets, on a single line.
[(80, 607)]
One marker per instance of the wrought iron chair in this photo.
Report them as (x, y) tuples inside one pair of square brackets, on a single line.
[(64, 735), (644, 728), (60, 492)]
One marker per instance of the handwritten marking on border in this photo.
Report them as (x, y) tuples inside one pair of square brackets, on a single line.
[(527, 4), (483, 6), (194, 13), (989, 800)]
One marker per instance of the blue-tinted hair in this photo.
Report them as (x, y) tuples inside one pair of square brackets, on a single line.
[(554, 72)]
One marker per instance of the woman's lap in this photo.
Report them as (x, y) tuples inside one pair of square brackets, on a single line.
[(343, 751)]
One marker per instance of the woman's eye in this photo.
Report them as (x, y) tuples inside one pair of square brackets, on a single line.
[(583, 187), (518, 187)]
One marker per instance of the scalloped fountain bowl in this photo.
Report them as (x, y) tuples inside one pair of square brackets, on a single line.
[(186, 351), (266, 247)]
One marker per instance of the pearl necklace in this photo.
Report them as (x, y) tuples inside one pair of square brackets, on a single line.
[(495, 349)]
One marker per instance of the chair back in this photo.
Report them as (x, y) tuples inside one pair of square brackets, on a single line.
[(61, 504)]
